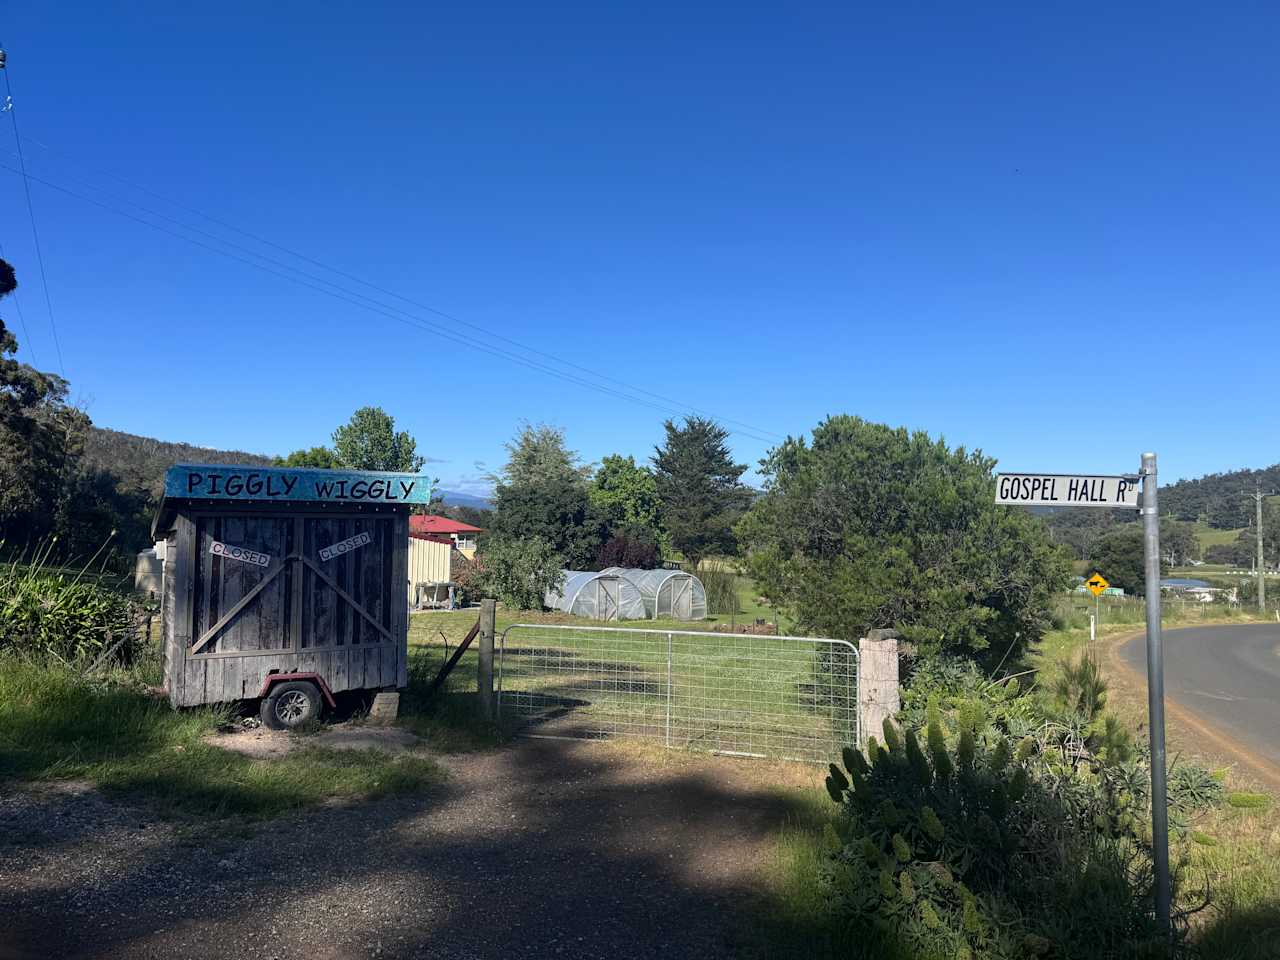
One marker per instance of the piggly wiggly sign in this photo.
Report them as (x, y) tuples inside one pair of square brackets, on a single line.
[(218, 482)]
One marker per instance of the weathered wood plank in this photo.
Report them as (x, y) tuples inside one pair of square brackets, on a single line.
[(386, 587), (339, 671), (193, 683), (235, 577), (183, 617), (399, 599), (232, 671), (270, 619), (174, 650), (206, 586), (324, 602), (298, 585), (213, 670), (255, 537)]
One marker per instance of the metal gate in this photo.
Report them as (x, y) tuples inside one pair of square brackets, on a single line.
[(792, 698)]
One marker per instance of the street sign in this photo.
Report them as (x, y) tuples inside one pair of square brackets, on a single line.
[(1067, 490), (1121, 492)]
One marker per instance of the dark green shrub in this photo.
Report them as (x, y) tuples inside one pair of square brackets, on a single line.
[(54, 615), (1192, 788), (956, 683), (959, 848), (518, 572)]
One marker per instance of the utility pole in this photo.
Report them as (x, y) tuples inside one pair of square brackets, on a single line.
[(1262, 569)]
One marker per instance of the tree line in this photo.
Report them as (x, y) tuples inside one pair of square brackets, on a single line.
[(861, 526), (1223, 501), (553, 512), (50, 492)]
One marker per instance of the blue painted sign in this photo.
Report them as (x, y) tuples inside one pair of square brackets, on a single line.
[(216, 482)]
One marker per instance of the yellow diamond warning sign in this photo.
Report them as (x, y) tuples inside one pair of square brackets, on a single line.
[(1097, 583)]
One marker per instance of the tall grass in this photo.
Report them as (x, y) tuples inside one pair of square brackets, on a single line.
[(721, 585), (1071, 611), (57, 724), (66, 615)]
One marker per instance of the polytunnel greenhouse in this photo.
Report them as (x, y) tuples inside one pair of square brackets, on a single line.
[(667, 594), (597, 596)]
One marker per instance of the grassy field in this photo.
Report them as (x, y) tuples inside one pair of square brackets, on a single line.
[(1211, 536), (754, 695)]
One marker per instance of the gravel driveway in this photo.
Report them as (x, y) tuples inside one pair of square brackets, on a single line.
[(541, 849)]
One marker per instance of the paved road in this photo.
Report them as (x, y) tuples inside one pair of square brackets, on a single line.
[(1229, 676)]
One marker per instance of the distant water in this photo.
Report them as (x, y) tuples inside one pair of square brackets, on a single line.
[(1183, 582)]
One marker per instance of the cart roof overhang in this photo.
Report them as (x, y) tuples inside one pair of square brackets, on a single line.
[(191, 486)]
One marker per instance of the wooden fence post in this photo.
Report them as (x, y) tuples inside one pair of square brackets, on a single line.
[(877, 683), (484, 664)]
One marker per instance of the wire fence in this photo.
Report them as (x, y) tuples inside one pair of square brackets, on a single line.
[(792, 698)]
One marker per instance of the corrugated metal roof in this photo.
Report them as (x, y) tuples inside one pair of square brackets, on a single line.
[(423, 523)]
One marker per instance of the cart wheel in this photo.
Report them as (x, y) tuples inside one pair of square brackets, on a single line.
[(290, 705)]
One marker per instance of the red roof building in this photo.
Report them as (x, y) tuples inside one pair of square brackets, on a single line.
[(462, 535)]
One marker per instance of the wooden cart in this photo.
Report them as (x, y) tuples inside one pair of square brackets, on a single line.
[(287, 585)]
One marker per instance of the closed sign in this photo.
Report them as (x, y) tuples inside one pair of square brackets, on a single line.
[(345, 546), (243, 554)]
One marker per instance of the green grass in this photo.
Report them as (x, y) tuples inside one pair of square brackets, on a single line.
[(1242, 867), (1211, 536), (1245, 800), (55, 725), (798, 921), (756, 695)]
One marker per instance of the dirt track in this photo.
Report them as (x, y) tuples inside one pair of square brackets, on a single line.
[(543, 849)]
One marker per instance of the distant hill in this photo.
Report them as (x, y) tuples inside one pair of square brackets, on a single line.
[(1220, 500), (138, 463), (453, 498), (1219, 505)]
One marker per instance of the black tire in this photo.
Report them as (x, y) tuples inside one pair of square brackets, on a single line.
[(290, 705)]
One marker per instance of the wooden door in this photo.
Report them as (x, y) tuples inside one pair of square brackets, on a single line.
[(242, 584)]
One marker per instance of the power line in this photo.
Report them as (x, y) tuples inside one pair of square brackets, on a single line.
[(31, 212), (338, 292), (378, 306), (680, 407), (35, 361)]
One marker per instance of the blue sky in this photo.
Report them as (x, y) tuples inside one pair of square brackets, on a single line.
[(1046, 233)]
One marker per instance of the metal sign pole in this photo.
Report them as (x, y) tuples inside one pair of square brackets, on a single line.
[(1119, 493), (1155, 692)]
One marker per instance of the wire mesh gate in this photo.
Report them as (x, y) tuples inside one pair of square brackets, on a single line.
[(790, 698)]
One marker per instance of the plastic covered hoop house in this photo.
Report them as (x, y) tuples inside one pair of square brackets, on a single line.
[(668, 594), (597, 596)]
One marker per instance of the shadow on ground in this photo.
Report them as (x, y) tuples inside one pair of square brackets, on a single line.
[(540, 849)]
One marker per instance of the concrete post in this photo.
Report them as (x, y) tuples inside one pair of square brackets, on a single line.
[(877, 683), (484, 663)]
